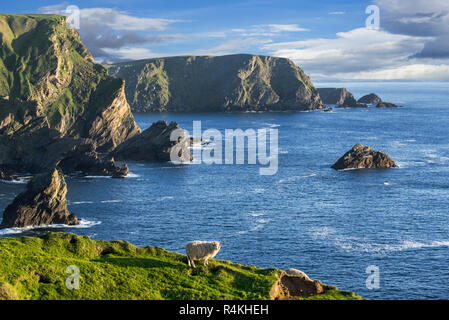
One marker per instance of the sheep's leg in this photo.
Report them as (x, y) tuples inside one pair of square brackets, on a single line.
[(206, 262), (188, 261), (193, 264)]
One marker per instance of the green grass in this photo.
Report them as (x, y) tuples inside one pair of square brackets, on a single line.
[(34, 268)]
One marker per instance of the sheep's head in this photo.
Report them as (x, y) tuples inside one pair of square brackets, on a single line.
[(217, 245)]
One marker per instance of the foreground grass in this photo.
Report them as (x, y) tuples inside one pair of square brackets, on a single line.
[(35, 268)]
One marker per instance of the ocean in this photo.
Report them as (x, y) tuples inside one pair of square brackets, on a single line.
[(331, 225)]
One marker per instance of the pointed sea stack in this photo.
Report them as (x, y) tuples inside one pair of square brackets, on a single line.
[(42, 203)]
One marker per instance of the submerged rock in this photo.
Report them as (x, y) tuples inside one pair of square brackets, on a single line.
[(42, 203), (361, 156), (371, 98), (154, 144)]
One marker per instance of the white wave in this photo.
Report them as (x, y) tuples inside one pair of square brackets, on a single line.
[(19, 180), (398, 144), (295, 178), (283, 151), (259, 190), (79, 202), (351, 243), (132, 175), (97, 177), (111, 201), (165, 198), (389, 183), (255, 214), (83, 224), (263, 221), (257, 227)]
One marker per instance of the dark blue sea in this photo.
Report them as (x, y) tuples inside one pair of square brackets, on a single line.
[(332, 225)]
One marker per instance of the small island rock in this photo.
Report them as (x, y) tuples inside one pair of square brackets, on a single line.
[(361, 156), (386, 105), (371, 98), (154, 144)]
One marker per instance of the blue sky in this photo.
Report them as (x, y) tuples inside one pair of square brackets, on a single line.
[(328, 39)]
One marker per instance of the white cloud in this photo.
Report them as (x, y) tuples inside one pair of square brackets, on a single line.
[(337, 12), (119, 20), (131, 53), (231, 46), (357, 51), (428, 72), (268, 30), (286, 28)]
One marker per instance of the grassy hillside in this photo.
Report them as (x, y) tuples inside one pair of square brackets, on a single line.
[(225, 83), (34, 268)]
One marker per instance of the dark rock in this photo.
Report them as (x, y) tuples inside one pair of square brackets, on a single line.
[(371, 98), (154, 144), (84, 158), (361, 156), (353, 105), (42, 203), (6, 174), (387, 105)]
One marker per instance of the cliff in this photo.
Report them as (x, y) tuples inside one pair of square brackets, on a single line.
[(51, 89), (240, 82), (118, 270)]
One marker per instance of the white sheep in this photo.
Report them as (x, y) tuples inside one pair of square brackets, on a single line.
[(197, 250)]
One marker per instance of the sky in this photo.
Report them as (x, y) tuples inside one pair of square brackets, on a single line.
[(329, 39)]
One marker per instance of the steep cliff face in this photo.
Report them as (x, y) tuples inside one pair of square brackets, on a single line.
[(50, 88), (239, 82)]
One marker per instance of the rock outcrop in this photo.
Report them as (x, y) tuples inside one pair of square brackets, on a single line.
[(361, 156), (340, 97), (54, 94), (154, 144), (294, 284), (42, 203), (371, 98), (387, 105), (239, 82)]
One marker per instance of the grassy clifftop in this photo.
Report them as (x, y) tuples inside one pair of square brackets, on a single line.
[(34, 268), (239, 82)]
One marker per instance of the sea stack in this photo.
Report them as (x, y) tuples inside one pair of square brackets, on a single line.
[(361, 156), (154, 144), (340, 97), (42, 203)]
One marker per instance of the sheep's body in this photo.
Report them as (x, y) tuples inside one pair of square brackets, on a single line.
[(197, 250)]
